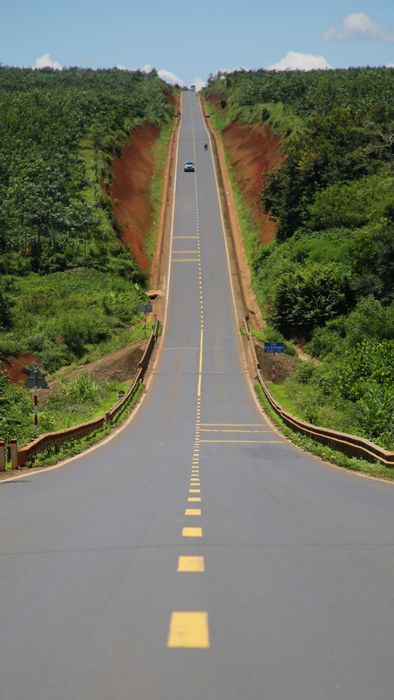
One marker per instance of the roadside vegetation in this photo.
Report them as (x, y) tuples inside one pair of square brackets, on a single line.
[(326, 282), (69, 288)]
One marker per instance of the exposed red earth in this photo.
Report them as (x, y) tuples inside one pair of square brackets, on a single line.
[(132, 173), (253, 151), (15, 367)]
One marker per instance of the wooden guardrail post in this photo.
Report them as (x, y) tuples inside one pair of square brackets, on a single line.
[(14, 453), (2, 456)]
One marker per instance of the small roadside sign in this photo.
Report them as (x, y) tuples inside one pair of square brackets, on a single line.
[(36, 379), (274, 347), (144, 308)]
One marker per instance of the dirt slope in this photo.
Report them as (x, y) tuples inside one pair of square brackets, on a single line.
[(253, 151), (132, 173)]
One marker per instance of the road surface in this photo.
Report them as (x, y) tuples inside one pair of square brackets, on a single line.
[(197, 554)]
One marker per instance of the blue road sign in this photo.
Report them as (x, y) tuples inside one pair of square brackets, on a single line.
[(274, 347), (145, 308)]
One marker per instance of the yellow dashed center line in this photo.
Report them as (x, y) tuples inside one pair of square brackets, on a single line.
[(226, 430), (234, 425), (192, 532), (255, 442), (188, 630), (191, 564)]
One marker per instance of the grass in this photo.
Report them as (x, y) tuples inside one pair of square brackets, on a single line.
[(160, 154), (72, 316), (79, 401), (58, 453), (323, 451)]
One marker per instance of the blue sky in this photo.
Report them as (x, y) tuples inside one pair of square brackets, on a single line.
[(190, 40)]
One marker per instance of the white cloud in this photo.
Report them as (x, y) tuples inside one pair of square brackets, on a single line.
[(170, 77), (166, 75), (358, 25), (300, 61), (46, 61), (199, 83), (389, 65)]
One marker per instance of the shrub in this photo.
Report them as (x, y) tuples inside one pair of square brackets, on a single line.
[(307, 297)]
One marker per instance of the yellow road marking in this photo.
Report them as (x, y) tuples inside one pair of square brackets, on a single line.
[(192, 532), (191, 564), (235, 425), (194, 499), (182, 252), (194, 490), (188, 630), (225, 430), (193, 511), (200, 364), (184, 260), (255, 442), (177, 237)]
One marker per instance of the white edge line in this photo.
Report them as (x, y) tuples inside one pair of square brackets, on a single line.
[(44, 470)]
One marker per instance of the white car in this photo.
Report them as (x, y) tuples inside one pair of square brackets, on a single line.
[(189, 167)]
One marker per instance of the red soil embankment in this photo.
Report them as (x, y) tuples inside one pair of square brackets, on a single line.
[(15, 367), (131, 177), (253, 151)]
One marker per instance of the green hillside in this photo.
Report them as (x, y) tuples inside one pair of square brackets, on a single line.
[(69, 289), (327, 279)]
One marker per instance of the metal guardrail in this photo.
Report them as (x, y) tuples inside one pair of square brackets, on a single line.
[(20, 456), (349, 444)]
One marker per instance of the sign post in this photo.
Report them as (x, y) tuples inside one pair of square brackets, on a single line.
[(35, 381), (274, 348), (145, 309)]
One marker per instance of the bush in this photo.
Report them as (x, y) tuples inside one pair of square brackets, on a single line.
[(9, 345), (123, 305), (7, 291), (370, 319), (324, 341), (307, 297), (83, 389), (16, 414)]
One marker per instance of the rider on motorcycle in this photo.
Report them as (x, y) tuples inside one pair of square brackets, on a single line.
[(206, 146)]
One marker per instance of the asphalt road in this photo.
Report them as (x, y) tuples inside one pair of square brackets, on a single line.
[(197, 554)]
